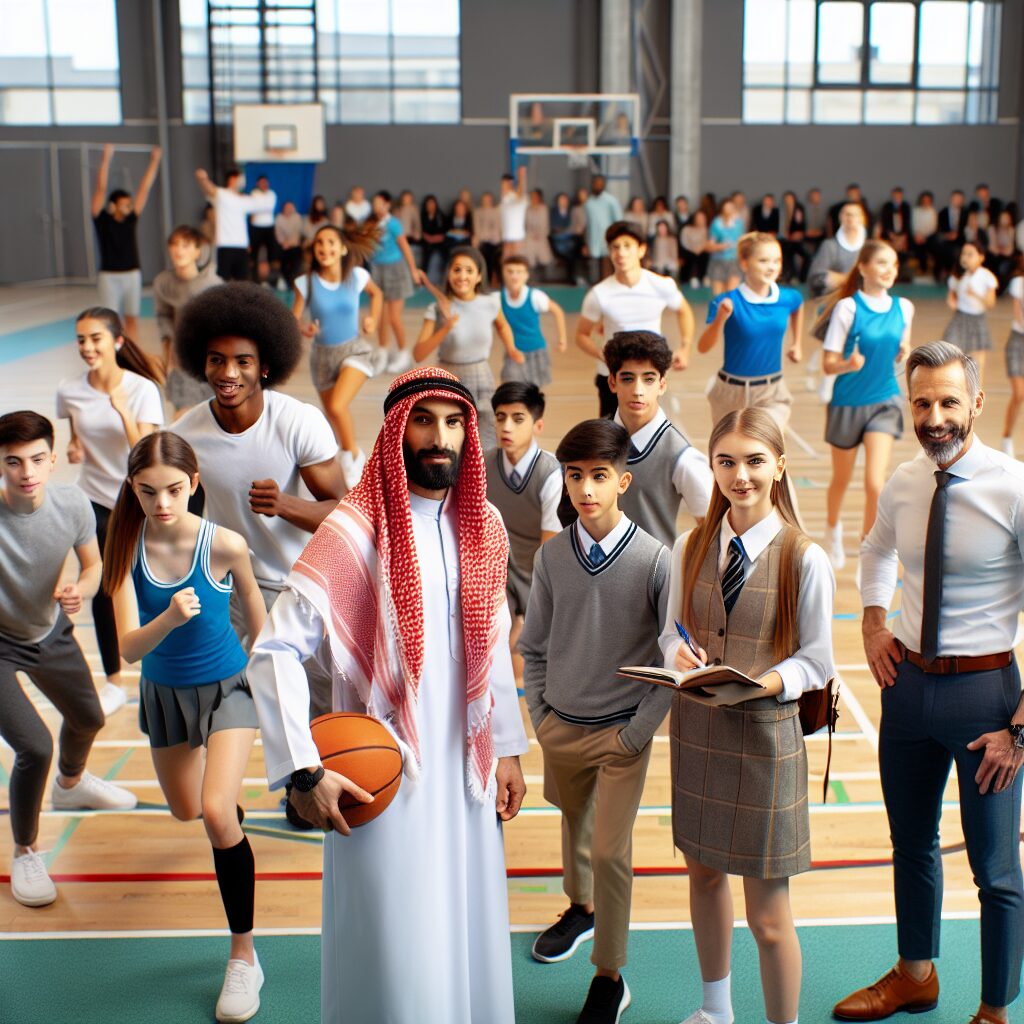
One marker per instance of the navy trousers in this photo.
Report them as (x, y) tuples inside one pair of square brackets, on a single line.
[(927, 722)]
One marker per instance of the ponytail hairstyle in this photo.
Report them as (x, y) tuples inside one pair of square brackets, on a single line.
[(129, 355), (359, 240), (758, 425), (853, 283), (749, 243), (161, 448)]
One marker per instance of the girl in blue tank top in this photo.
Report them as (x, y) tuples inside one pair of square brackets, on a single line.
[(342, 356), (868, 333), (171, 576)]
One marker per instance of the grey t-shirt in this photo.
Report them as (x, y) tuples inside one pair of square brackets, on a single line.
[(470, 340), (33, 549)]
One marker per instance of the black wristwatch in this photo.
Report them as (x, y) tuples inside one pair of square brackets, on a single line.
[(1017, 732), (304, 780)]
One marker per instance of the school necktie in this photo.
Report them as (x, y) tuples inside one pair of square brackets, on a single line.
[(597, 555), (634, 452), (732, 580), (933, 548), (514, 478)]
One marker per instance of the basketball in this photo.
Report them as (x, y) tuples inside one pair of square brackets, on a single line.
[(360, 748)]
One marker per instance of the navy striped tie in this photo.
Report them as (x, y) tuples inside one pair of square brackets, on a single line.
[(732, 580), (515, 479), (597, 555)]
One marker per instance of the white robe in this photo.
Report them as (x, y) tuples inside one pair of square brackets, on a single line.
[(415, 905)]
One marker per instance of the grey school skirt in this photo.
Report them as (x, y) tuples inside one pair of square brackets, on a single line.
[(536, 369), (170, 715), (847, 424), (1015, 354), (739, 787), (969, 332), (393, 279), (326, 361), (722, 270)]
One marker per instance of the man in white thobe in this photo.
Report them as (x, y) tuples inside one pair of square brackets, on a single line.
[(406, 579)]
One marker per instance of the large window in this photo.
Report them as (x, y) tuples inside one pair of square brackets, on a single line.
[(377, 61), (871, 61), (59, 62)]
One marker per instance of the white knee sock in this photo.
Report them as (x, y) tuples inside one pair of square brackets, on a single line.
[(718, 1000)]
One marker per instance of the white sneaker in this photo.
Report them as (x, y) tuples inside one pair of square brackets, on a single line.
[(352, 468), (282, 285), (112, 698), (30, 881), (702, 1016), (694, 282), (836, 554), (240, 993), (400, 361), (92, 793), (1007, 446)]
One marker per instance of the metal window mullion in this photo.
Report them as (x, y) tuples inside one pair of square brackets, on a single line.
[(51, 99), (391, 62), (815, 81)]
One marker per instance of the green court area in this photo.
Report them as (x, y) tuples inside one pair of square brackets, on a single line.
[(176, 980)]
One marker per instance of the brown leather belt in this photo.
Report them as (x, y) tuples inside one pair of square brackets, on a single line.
[(954, 665)]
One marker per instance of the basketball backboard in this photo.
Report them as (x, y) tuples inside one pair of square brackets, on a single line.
[(279, 133), (592, 124)]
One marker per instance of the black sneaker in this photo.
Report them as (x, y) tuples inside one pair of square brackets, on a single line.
[(561, 940), (606, 1001)]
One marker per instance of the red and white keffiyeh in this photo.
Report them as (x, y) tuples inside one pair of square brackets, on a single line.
[(361, 573)]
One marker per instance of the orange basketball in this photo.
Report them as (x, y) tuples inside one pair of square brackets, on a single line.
[(360, 748)]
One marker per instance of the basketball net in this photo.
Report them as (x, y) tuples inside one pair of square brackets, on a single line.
[(578, 157)]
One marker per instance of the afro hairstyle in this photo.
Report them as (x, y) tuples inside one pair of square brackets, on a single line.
[(240, 309)]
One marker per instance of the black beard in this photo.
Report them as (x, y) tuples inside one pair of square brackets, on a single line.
[(943, 454), (432, 477)]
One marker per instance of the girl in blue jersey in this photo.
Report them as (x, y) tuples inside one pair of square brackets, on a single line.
[(342, 356), (868, 333), (171, 575), (754, 320)]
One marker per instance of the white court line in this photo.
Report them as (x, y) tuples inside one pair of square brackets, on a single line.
[(637, 926), (860, 715)]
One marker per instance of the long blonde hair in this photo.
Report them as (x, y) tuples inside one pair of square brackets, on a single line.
[(853, 283), (758, 425)]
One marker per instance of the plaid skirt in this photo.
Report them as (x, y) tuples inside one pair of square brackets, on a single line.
[(536, 369), (393, 279), (969, 332), (739, 787), (1015, 354)]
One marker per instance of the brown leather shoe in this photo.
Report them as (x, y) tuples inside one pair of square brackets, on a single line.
[(893, 992)]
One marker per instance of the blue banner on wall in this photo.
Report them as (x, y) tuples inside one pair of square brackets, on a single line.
[(289, 181)]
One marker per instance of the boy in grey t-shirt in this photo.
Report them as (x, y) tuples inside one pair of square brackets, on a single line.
[(39, 524)]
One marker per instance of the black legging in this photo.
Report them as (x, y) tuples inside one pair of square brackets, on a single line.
[(103, 606)]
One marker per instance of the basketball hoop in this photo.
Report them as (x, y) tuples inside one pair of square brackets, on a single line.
[(279, 153), (578, 157)]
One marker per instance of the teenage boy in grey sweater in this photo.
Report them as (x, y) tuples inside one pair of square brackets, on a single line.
[(598, 600)]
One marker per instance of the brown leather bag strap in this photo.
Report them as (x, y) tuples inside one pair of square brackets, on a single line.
[(833, 714)]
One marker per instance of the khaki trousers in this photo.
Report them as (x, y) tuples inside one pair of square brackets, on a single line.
[(774, 398), (597, 784)]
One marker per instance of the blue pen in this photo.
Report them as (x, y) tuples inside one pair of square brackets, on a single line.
[(681, 630)]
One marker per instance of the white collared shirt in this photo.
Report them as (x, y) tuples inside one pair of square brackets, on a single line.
[(550, 491), (751, 296), (691, 476), (854, 244), (811, 665), (611, 538), (983, 564)]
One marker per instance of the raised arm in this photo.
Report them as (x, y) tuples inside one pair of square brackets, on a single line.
[(205, 184), (99, 192), (142, 195), (432, 334)]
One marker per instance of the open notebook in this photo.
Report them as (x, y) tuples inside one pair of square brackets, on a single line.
[(698, 679)]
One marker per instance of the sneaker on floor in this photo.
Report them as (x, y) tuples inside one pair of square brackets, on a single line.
[(1006, 444), (400, 361), (92, 793), (606, 1001), (836, 554), (240, 994), (702, 1016), (30, 881), (562, 939), (112, 698)]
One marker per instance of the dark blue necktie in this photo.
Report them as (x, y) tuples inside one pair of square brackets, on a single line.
[(597, 555), (732, 580), (933, 548), (514, 478), (634, 452)]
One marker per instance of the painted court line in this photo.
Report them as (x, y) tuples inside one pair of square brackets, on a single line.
[(860, 716)]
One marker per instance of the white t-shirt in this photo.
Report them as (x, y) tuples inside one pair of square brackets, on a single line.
[(264, 217), (623, 308), (289, 435), (233, 211), (358, 211), (1016, 291), (538, 300), (842, 318), (970, 288), (513, 217), (101, 430)]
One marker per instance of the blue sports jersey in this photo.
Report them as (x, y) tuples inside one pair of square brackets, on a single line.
[(754, 332), (387, 248)]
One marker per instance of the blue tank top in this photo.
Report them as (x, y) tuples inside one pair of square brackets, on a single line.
[(205, 649), (337, 309), (525, 323), (878, 337)]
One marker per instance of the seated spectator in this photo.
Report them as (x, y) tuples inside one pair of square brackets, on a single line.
[(792, 224), (487, 235), (565, 242), (660, 212), (537, 247), (694, 241), (924, 223), (765, 216), (408, 215), (1002, 248), (288, 234), (636, 214), (894, 226), (459, 230)]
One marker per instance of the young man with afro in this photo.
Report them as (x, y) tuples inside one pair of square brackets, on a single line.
[(255, 445)]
